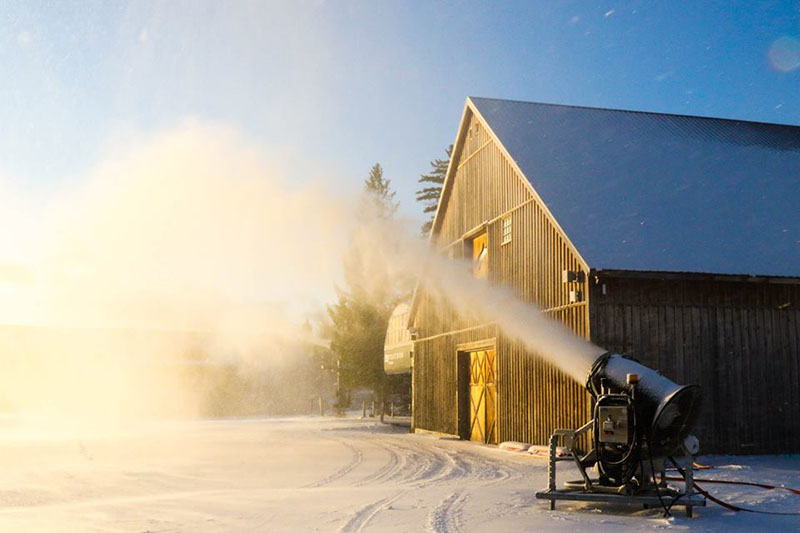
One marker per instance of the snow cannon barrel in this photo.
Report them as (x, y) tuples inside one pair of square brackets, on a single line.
[(665, 411)]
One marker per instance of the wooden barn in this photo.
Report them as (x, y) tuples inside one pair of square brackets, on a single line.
[(674, 239)]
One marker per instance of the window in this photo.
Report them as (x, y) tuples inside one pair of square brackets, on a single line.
[(506, 230), (480, 256)]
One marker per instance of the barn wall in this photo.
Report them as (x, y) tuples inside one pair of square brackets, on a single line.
[(533, 396), (436, 379), (737, 340)]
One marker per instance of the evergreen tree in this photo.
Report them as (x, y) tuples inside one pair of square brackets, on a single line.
[(357, 340), (379, 193), (429, 195), (361, 314)]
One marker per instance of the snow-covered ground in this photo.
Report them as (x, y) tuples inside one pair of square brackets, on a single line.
[(324, 474)]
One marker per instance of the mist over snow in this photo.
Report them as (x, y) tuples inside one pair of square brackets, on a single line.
[(193, 232)]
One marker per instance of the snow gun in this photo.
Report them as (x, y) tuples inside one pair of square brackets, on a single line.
[(641, 422)]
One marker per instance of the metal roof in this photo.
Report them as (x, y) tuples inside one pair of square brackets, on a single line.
[(649, 191)]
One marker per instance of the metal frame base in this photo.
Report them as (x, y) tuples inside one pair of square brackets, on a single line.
[(646, 500), (688, 498)]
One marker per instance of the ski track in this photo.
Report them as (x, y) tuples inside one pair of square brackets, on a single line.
[(423, 466), (458, 465), (446, 517), (436, 467), (492, 473), (494, 470), (408, 464), (364, 516), (387, 472), (355, 460), (426, 466), (432, 465), (419, 464)]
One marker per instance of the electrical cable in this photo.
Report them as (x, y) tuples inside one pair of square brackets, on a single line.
[(675, 499), (655, 483), (745, 483), (738, 508), (731, 506), (682, 494)]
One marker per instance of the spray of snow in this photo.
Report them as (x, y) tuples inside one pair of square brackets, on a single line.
[(193, 237), (179, 253), (389, 251)]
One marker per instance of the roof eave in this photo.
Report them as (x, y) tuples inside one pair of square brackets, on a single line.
[(693, 276)]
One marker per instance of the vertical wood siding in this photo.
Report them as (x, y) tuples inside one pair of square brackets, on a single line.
[(737, 340), (436, 379), (534, 397)]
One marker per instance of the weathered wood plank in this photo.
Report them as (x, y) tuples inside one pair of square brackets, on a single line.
[(735, 342)]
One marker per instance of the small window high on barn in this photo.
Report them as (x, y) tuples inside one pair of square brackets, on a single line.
[(506, 227), (480, 256)]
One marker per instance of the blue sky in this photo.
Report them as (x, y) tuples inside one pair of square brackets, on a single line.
[(332, 87)]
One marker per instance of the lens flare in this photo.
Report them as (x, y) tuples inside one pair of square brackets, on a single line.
[(784, 54)]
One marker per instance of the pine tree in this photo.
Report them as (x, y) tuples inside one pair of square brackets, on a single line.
[(379, 192), (429, 196), (361, 314), (357, 340)]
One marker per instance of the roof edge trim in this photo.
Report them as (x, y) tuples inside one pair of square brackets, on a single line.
[(641, 112), (527, 183), (694, 276)]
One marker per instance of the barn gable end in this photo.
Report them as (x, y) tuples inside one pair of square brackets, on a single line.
[(484, 187)]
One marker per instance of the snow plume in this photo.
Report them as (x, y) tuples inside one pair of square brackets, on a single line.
[(388, 251), (186, 253), (180, 256)]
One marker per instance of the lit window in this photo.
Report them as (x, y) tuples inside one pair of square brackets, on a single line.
[(506, 230), (480, 256)]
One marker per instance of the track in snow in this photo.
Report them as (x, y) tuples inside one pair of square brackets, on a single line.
[(421, 466), (306, 473), (355, 460), (395, 464), (364, 516), (425, 464), (446, 517)]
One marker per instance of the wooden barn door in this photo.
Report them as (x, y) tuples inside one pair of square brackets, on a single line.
[(483, 396)]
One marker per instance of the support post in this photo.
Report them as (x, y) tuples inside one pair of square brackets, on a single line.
[(689, 478), (551, 465)]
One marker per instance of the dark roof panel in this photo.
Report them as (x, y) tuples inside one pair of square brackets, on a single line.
[(648, 191)]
